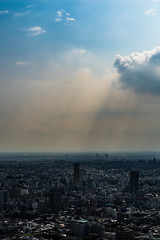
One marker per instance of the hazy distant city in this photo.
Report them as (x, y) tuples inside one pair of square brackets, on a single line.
[(89, 196)]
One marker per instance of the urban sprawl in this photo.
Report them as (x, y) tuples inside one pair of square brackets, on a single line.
[(79, 196)]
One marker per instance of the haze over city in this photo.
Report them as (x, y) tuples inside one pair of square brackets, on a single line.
[(79, 75)]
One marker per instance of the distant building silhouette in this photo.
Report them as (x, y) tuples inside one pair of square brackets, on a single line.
[(76, 173), (134, 181)]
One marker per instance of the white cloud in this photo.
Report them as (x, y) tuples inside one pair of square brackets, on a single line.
[(78, 51), (151, 12), (21, 63), (22, 13), (4, 12), (58, 19), (29, 6), (64, 16), (140, 72), (60, 13), (70, 19), (35, 31)]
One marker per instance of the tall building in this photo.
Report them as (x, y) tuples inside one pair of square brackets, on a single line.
[(55, 199), (4, 197), (76, 173), (79, 227), (134, 181), (1, 198)]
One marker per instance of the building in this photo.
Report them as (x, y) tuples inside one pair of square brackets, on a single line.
[(134, 181), (55, 199), (4, 197), (124, 234), (79, 228), (76, 173)]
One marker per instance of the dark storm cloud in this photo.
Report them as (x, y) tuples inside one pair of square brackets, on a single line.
[(140, 72)]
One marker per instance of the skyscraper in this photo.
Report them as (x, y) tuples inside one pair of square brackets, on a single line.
[(55, 199), (76, 173), (4, 197), (134, 181)]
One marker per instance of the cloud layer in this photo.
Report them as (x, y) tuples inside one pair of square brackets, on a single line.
[(140, 71)]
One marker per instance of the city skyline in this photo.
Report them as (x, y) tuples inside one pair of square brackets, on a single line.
[(79, 76)]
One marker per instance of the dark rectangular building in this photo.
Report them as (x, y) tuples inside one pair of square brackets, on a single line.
[(134, 181), (76, 173)]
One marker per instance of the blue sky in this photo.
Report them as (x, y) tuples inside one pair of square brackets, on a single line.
[(100, 26), (64, 75)]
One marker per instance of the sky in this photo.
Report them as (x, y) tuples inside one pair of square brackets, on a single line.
[(79, 75)]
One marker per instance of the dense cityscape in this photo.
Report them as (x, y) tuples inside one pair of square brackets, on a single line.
[(80, 196)]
